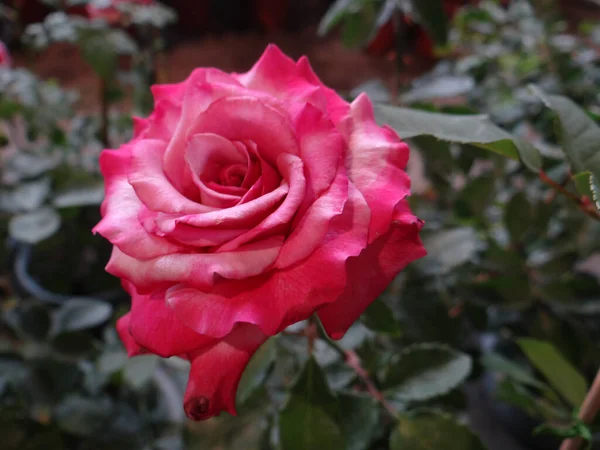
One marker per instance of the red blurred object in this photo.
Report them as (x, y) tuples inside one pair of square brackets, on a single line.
[(108, 9), (5, 59), (272, 14), (417, 37)]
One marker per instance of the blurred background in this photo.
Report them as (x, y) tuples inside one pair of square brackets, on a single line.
[(509, 257)]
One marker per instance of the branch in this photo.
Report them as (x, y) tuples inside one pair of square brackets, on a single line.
[(584, 206), (587, 413)]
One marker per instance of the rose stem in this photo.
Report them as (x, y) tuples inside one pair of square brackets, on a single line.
[(587, 413), (585, 207), (353, 361)]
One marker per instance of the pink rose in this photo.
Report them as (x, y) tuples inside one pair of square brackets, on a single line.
[(5, 59), (108, 10), (245, 203)]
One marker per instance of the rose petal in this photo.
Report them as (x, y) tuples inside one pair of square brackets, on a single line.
[(120, 209), (373, 270), (132, 347), (196, 269), (279, 298), (216, 373), (376, 162), (292, 170), (155, 327), (151, 185)]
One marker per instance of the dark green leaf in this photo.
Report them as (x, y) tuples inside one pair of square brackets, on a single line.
[(73, 344), (431, 15), (424, 371), (517, 216), (559, 372), (257, 371), (359, 417), (379, 317), (32, 320), (476, 196), (498, 363), (80, 313), (307, 421), (433, 431), (579, 133), (475, 130), (587, 185), (83, 416)]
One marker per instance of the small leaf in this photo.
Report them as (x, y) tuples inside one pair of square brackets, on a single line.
[(587, 185), (31, 320), (335, 14), (379, 317), (476, 130), (256, 371), (307, 420), (359, 417), (559, 372), (34, 227), (80, 313), (423, 371), (578, 132), (432, 431), (449, 249), (517, 216), (498, 363), (80, 196), (431, 15)]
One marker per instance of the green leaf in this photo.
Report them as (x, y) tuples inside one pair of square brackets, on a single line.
[(498, 363), (35, 226), (476, 196), (476, 130), (83, 416), (359, 418), (73, 343), (424, 371), (559, 372), (432, 431), (431, 15), (257, 371), (80, 196), (307, 420), (379, 317), (335, 14), (80, 313), (587, 185), (580, 136), (31, 320), (517, 216), (449, 249)]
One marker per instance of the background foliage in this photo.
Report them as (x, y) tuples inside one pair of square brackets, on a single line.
[(507, 304)]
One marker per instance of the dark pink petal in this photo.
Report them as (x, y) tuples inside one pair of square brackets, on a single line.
[(279, 298), (155, 328), (376, 162), (373, 270), (132, 347), (196, 269), (120, 209), (216, 373)]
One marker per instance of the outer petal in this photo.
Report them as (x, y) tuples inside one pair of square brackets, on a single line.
[(196, 269), (130, 344), (373, 270), (376, 162), (274, 300), (120, 209), (154, 327), (216, 373)]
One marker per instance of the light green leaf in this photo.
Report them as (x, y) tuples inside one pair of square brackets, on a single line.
[(34, 227), (517, 216), (139, 370), (476, 130), (424, 371), (80, 313), (336, 13), (433, 431), (80, 196), (580, 136), (498, 363), (449, 249), (559, 372), (307, 421)]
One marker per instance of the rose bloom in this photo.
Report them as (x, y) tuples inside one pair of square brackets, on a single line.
[(246, 203), (5, 59), (108, 10)]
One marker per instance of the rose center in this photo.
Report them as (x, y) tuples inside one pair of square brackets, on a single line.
[(232, 175)]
